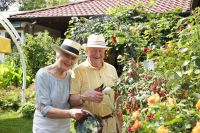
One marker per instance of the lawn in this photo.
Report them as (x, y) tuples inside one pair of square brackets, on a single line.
[(12, 122)]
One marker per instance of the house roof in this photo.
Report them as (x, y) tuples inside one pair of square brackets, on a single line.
[(99, 7)]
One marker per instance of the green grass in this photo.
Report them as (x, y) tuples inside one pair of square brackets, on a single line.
[(12, 122)]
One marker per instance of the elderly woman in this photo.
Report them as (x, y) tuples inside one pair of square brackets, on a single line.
[(52, 92)]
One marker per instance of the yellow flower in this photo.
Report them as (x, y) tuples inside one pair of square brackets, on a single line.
[(153, 99), (162, 129), (135, 115), (196, 129), (198, 105)]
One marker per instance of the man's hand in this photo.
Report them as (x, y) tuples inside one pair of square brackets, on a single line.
[(92, 95)]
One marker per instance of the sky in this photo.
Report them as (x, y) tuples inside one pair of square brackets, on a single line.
[(14, 7)]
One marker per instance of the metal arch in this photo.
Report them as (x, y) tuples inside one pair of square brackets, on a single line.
[(17, 40)]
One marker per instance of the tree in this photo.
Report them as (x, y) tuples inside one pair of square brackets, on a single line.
[(4, 4), (38, 4), (32, 4)]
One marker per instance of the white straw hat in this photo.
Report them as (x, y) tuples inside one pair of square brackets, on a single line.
[(68, 46), (96, 41)]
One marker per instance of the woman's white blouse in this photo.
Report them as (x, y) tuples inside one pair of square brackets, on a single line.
[(51, 92)]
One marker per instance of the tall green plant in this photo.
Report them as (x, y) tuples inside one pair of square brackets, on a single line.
[(38, 52), (10, 75)]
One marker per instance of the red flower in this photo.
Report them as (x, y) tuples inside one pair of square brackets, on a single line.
[(149, 117), (131, 73), (154, 85), (163, 81), (114, 39), (146, 50), (129, 129)]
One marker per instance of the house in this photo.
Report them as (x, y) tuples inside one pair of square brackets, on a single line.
[(55, 19)]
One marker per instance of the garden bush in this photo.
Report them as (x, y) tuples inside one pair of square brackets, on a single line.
[(38, 52), (161, 94), (10, 75), (159, 59), (27, 109), (10, 98), (128, 30)]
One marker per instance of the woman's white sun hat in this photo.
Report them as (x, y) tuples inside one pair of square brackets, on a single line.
[(68, 46), (95, 41)]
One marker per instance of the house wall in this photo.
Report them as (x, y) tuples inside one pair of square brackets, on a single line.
[(53, 33)]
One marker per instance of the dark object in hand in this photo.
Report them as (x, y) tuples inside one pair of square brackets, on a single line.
[(100, 88)]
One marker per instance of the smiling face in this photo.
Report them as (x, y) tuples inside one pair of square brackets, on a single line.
[(96, 56), (65, 61)]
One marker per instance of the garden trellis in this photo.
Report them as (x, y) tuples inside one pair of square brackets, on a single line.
[(17, 40)]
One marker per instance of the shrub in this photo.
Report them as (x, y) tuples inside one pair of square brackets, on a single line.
[(38, 52), (129, 30), (27, 110), (10, 99)]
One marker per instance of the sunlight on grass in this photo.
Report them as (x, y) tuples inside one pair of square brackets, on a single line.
[(12, 122)]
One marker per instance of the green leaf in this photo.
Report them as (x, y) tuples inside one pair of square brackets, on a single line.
[(197, 71), (173, 121), (197, 95)]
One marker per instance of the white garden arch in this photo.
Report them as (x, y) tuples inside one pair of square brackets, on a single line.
[(17, 40)]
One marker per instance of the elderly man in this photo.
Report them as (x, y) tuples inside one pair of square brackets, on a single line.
[(89, 76)]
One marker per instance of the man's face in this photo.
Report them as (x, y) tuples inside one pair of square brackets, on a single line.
[(96, 56)]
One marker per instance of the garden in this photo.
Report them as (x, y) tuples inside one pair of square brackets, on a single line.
[(157, 57)]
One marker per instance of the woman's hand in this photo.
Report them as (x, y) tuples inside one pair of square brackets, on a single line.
[(92, 95), (77, 113)]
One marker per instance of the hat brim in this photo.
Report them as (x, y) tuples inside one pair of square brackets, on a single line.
[(84, 46), (61, 50)]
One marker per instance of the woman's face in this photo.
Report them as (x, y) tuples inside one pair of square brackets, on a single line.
[(66, 61)]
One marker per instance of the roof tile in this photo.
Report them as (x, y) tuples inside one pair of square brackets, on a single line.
[(99, 7)]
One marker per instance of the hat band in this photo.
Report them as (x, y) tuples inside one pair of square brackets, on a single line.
[(96, 43), (71, 49)]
